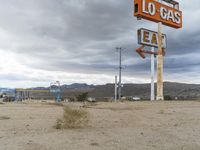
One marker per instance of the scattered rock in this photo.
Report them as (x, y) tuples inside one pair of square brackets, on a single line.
[(94, 144), (31, 118), (176, 124)]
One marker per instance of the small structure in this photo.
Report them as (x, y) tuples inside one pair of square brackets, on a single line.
[(56, 90), (25, 94), (7, 95)]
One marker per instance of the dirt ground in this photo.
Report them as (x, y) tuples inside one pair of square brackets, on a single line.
[(112, 126)]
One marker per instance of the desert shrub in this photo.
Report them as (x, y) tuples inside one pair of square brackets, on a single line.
[(168, 98), (73, 118), (59, 124), (72, 99), (82, 97)]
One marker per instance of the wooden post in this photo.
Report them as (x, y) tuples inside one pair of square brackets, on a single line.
[(160, 65)]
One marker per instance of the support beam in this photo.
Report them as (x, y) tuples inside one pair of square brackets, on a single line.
[(160, 65)]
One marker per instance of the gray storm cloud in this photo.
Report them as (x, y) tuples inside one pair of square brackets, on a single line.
[(80, 36)]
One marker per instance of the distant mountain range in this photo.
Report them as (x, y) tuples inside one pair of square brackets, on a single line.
[(174, 90)]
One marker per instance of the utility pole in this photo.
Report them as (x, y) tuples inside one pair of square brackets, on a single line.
[(120, 72)]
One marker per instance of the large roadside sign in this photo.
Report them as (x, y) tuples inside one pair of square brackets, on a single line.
[(150, 38), (158, 12)]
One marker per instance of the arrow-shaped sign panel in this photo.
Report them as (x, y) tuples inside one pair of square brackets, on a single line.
[(142, 52)]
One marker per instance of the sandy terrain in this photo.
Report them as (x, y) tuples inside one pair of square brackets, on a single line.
[(113, 126)]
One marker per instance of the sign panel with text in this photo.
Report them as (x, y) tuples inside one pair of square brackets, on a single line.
[(150, 38), (158, 12)]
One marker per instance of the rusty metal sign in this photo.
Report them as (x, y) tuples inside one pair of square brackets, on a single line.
[(150, 38), (158, 12)]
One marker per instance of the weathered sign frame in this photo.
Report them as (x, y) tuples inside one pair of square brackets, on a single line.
[(157, 12), (142, 42)]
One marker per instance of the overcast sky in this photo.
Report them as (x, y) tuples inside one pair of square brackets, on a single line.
[(74, 41)]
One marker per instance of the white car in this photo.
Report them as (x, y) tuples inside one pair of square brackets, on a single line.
[(136, 98), (90, 99)]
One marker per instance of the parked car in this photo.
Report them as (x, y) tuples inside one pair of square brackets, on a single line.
[(135, 98), (91, 99)]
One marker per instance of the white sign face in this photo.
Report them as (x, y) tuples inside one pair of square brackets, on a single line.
[(150, 38)]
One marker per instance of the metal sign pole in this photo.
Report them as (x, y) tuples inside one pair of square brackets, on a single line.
[(115, 88), (152, 75), (120, 73)]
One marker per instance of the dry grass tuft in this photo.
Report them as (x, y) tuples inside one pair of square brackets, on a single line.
[(53, 104), (119, 109), (162, 111), (73, 118), (139, 108), (94, 144), (4, 118), (89, 104)]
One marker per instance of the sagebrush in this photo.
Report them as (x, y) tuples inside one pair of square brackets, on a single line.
[(73, 118)]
